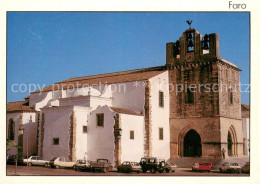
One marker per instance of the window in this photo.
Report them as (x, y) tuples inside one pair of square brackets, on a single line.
[(85, 129), (132, 134), (160, 133), (161, 99), (11, 129), (230, 96), (56, 141), (190, 41), (100, 119), (189, 96)]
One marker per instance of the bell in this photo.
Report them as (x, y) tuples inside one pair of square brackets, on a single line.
[(205, 45), (190, 43), (189, 36), (206, 37)]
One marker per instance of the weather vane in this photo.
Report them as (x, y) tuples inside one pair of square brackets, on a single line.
[(189, 22)]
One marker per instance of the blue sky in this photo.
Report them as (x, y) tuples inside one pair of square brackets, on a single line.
[(47, 47)]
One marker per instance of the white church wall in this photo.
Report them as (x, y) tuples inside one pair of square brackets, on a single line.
[(81, 115), (245, 128), (160, 116), (29, 123), (129, 96), (82, 92), (99, 101), (16, 118), (30, 133), (100, 142), (132, 149), (56, 125), (40, 100)]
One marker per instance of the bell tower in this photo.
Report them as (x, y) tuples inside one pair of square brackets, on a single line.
[(192, 47), (204, 96)]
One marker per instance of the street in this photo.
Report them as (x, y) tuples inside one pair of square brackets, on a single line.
[(43, 171)]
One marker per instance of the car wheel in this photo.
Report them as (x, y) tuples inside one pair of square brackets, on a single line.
[(208, 171), (57, 166), (29, 164), (220, 170), (46, 165), (138, 172), (167, 170), (160, 170), (153, 170), (238, 171)]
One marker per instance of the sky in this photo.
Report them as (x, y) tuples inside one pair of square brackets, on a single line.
[(48, 47)]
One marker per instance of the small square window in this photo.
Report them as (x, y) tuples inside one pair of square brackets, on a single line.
[(56, 141), (100, 119), (85, 129), (160, 133), (132, 134)]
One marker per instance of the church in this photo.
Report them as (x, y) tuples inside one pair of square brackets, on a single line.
[(188, 107)]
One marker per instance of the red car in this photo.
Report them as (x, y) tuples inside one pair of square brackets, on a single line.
[(201, 166)]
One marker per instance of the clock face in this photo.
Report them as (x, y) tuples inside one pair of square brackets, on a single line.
[(189, 57)]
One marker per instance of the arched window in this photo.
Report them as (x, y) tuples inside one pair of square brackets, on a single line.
[(230, 96), (11, 129)]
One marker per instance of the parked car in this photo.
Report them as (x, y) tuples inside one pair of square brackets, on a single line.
[(201, 166), (61, 162), (246, 168), (230, 167), (36, 160), (129, 167), (170, 167), (102, 165), (152, 164), (82, 165)]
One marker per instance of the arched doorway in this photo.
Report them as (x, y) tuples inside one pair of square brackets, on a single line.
[(232, 141), (192, 144), (229, 140)]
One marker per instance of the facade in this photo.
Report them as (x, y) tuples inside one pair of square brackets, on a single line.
[(246, 128), (147, 112), (22, 128), (205, 117)]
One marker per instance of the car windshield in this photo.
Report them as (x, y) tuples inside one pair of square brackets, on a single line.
[(103, 160), (134, 163), (81, 161), (67, 160), (204, 164)]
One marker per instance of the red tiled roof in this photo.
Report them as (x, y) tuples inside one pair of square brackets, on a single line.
[(19, 106), (245, 107), (109, 78), (125, 111)]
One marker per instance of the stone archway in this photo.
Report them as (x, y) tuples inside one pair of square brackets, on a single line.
[(232, 142), (189, 143)]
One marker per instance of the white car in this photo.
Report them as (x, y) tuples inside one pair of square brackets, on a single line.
[(230, 167), (36, 160), (61, 162)]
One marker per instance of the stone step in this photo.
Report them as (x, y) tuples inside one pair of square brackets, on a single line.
[(186, 162)]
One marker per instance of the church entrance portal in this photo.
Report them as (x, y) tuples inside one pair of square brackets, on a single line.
[(192, 144)]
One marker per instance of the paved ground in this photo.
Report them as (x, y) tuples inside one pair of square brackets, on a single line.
[(35, 170)]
